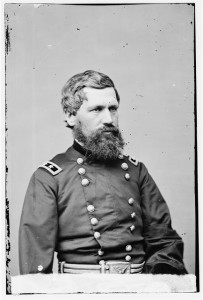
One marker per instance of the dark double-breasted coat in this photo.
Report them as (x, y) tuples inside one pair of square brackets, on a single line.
[(92, 211)]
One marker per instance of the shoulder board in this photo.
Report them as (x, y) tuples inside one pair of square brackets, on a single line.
[(51, 167), (133, 160)]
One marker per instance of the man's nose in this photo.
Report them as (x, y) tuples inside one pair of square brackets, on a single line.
[(107, 117)]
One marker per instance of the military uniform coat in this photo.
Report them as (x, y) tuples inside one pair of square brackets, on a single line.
[(92, 211)]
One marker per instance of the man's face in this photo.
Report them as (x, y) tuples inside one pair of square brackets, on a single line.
[(100, 110), (96, 124)]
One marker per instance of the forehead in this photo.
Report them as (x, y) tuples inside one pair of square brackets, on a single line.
[(100, 96)]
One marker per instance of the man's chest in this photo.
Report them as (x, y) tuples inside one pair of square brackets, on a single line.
[(99, 198)]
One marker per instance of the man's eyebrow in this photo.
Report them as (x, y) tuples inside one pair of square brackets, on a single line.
[(114, 105), (102, 106), (96, 106)]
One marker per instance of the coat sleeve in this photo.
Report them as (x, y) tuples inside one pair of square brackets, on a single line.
[(38, 225), (163, 246)]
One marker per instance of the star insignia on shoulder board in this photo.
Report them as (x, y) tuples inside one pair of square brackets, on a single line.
[(53, 168), (133, 160)]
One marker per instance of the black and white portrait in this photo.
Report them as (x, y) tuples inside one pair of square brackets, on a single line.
[(101, 146)]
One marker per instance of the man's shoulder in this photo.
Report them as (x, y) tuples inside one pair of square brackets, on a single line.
[(135, 163), (55, 165), (132, 159)]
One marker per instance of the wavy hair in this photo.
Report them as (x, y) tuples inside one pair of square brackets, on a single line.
[(72, 92)]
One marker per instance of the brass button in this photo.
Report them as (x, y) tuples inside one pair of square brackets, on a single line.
[(131, 201), (128, 248), (132, 227), (124, 166), (128, 258), (40, 268), (97, 235), (100, 252), (81, 171), (80, 161), (127, 176), (90, 208), (94, 221), (133, 215), (85, 182)]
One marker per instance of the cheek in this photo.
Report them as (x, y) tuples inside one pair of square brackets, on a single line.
[(115, 120), (94, 122), (88, 126)]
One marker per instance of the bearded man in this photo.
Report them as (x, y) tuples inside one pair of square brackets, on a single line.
[(99, 209)]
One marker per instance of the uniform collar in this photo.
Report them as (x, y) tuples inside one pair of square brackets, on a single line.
[(78, 147)]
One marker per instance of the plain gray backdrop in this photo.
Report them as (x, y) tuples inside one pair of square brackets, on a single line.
[(148, 51)]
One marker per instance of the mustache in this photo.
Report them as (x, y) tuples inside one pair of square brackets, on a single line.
[(109, 128)]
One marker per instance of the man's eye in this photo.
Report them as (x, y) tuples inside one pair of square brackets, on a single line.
[(97, 109), (113, 108)]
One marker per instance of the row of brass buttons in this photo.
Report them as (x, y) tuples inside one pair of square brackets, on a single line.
[(91, 208), (124, 166)]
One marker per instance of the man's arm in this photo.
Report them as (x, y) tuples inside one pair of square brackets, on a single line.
[(38, 225), (163, 246)]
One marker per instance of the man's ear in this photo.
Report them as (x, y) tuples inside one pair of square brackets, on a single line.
[(70, 119)]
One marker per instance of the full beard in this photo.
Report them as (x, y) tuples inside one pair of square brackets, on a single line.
[(101, 146)]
